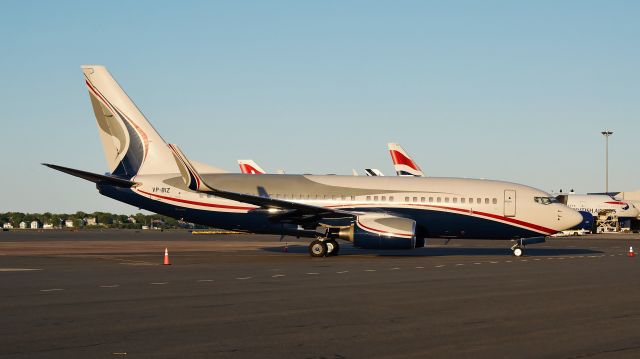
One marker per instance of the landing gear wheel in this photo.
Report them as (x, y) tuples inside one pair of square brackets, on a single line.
[(333, 248), (318, 248), (518, 251)]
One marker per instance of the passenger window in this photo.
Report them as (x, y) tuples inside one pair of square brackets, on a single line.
[(430, 199), (368, 198), (495, 201), (406, 199), (462, 200), (470, 200), (353, 198), (455, 200), (415, 199), (486, 201), (390, 198), (375, 198), (422, 199), (478, 200), (439, 199), (383, 198)]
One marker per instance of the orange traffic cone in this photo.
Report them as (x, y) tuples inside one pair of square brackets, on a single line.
[(166, 257), (631, 252)]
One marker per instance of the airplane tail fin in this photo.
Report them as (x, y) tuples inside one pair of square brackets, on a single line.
[(402, 162), (250, 167), (131, 144), (373, 172)]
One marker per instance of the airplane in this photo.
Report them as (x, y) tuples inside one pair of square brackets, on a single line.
[(402, 162), (370, 212), (250, 167), (373, 172), (599, 203)]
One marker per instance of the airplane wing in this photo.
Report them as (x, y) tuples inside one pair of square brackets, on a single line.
[(294, 211)]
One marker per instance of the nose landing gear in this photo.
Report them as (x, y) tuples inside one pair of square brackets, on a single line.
[(518, 247)]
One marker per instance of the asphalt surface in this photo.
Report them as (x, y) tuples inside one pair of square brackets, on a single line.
[(105, 294)]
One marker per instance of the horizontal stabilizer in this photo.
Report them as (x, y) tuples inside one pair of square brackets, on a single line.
[(93, 177)]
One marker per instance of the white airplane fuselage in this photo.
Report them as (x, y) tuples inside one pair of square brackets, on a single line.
[(441, 207)]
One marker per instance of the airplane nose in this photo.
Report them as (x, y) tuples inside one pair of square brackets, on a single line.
[(570, 218)]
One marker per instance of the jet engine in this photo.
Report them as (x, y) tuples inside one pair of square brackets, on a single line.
[(378, 231)]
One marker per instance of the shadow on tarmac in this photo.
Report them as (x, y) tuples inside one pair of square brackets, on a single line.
[(346, 250)]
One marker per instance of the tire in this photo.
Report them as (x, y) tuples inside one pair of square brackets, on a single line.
[(332, 251), (318, 249), (518, 252)]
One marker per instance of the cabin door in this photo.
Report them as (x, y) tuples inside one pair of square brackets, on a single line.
[(509, 203)]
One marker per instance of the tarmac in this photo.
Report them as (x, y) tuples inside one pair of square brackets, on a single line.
[(106, 294)]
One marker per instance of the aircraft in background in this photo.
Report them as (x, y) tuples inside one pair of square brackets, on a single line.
[(373, 172), (599, 203), (402, 162), (371, 212), (250, 167)]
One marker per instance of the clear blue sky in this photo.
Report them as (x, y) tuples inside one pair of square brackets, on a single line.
[(508, 90)]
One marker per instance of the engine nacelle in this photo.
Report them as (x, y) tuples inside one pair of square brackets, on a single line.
[(379, 231)]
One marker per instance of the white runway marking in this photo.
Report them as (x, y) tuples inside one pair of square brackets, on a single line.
[(419, 267), (509, 261), (313, 273), (51, 290), (18, 269), (536, 259), (477, 263), (158, 283), (369, 270), (459, 264), (493, 262), (524, 260), (440, 266), (110, 286), (277, 275), (205, 280), (341, 272), (243, 278), (395, 268)]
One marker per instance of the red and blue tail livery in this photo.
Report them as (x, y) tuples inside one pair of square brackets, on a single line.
[(402, 162)]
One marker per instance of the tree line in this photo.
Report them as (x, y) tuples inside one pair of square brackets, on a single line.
[(102, 219)]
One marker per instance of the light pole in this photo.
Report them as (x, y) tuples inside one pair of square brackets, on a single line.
[(606, 134)]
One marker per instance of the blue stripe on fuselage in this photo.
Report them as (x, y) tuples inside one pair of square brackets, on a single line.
[(429, 223)]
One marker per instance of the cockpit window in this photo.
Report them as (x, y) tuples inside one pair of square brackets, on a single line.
[(545, 200)]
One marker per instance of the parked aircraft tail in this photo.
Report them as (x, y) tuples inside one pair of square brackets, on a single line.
[(131, 144), (250, 167), (402, 162)]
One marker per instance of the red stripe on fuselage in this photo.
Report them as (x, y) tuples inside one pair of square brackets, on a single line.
[(203, 204), (467, 211)]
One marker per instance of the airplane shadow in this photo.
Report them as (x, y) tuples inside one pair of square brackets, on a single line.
[(531, 251)]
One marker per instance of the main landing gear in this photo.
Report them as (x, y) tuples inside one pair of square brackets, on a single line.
[(324, 248)]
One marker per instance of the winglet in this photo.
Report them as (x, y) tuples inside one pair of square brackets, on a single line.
[(190, 176), (402, 162)]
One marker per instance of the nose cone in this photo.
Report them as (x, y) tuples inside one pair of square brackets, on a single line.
[(569, 218), (632, 212)]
